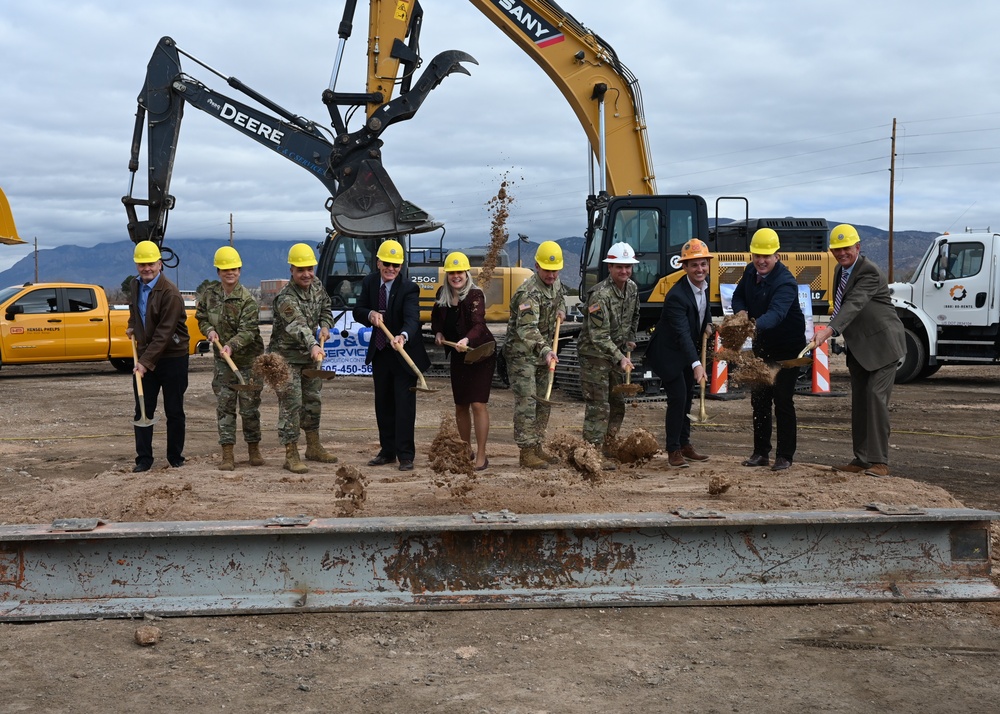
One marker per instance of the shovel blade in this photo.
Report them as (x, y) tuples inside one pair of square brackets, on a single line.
[(143, 421), (477, 354)]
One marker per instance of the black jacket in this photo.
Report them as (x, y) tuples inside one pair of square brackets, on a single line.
[(774, 304), (676, 341), (402, 314)]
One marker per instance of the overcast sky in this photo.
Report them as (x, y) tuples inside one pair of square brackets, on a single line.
[(788, 103)]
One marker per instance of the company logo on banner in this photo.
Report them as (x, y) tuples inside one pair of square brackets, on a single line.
[(348, 344)]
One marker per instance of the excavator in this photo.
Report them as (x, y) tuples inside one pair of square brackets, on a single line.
[(8, 231)]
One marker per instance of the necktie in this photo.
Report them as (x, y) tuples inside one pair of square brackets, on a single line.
[(380, 341), (840, 292)]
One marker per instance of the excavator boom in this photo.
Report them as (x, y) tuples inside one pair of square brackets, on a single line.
[(8, 231), (363, 199)]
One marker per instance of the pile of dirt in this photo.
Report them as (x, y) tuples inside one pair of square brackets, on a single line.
[(499, 208), (448, 452), (637, 447), (579, 454), (352, 486)]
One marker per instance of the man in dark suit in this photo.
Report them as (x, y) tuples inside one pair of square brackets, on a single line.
[(387, 298), (673, 352), (864, 315)]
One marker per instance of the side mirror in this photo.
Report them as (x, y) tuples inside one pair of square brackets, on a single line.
[(14, 310), (942, 262)]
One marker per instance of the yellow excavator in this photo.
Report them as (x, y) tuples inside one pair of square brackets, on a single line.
[(8, 231)]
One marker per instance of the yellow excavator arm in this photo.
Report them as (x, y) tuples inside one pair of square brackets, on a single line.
[(578, 61), (8, 231)]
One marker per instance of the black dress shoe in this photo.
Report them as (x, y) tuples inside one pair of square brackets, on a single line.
[(177, 463), (757, 460), (781, 463), (139, 468), (405, 465), (381, 460)]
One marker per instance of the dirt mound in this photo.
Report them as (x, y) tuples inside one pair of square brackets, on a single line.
[(579, 454), (637, 447), (448, 452)]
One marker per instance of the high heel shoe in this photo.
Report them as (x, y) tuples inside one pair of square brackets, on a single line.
[(486, 465)]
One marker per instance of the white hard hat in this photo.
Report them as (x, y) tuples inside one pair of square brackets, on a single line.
[(621, 254)]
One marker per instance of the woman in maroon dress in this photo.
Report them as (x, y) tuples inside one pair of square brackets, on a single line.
[(459, 316)]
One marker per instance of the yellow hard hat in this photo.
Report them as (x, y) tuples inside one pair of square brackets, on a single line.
[(844, 236), (390, 252), (301, 256), (226, 258), (693, 249), (764, 242), (456, 262), (549, 256), (146, 252)]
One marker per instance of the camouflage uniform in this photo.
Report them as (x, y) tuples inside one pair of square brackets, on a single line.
[(530, 331), (236, 319), (610, 321), (297, 314)]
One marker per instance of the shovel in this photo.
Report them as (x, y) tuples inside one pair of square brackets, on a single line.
[(473, 354), (311, 373), (242, 386), (422, 383), (801, 360), (143, 420), (628, 389), (552, 367), (702, 414)]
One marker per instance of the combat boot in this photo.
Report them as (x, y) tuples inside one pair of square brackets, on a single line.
[(530, 460), (292, 462), (315, 450), (545, 455), (256, 459), (228, 463)]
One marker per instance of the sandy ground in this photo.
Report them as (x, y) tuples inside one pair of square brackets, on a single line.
[(66, 449)]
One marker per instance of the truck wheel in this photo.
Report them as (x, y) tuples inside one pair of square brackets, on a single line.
[(122, 364), (914, 362)]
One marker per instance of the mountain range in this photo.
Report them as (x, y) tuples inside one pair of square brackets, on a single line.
[(109, 264)]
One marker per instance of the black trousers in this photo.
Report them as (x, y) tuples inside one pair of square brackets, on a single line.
[(395, 404), (779, 395), (680, 396), (170, 376)]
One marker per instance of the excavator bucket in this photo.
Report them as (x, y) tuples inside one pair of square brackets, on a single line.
[(372, 206), (8, 231)]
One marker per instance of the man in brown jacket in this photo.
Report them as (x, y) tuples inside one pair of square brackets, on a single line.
[(158, 323)]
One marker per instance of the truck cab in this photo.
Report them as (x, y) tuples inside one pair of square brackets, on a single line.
[(950, 307)]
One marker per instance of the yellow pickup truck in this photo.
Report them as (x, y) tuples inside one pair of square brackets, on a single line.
[(69, 322)]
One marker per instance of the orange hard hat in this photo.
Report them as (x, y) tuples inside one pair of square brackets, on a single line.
[(693, 249)]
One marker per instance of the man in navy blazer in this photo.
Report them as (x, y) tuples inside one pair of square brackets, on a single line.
[(864, 315), (394, 380), (673, 352)]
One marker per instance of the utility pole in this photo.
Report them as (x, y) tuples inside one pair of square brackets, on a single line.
[(230, 230), (36, 259), (892, 191)]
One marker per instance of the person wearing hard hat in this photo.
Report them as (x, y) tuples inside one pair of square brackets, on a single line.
[(459, 316), (673, 351), (610, 321), (535, 307), (157, 321), (768, 294), (229, 316), (864, 315), (389, 299), (300, 309)]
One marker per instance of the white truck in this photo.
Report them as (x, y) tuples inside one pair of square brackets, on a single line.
[(950, 306)]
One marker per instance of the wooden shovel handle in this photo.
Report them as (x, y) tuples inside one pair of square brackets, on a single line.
[(628, 370), (456, 346), (810, 346), (402, 351), (229, 361), (138, 377)]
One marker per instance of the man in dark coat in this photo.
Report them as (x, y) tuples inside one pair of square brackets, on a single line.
[(673, 352), (387, 298), (768, 293), (864, 315)]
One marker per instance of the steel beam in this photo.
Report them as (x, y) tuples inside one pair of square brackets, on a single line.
[(76, 569)]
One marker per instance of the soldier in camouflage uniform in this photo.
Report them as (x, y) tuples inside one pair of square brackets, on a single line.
[(229, 316), (299, 308), (610, 321), (534, 308)]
